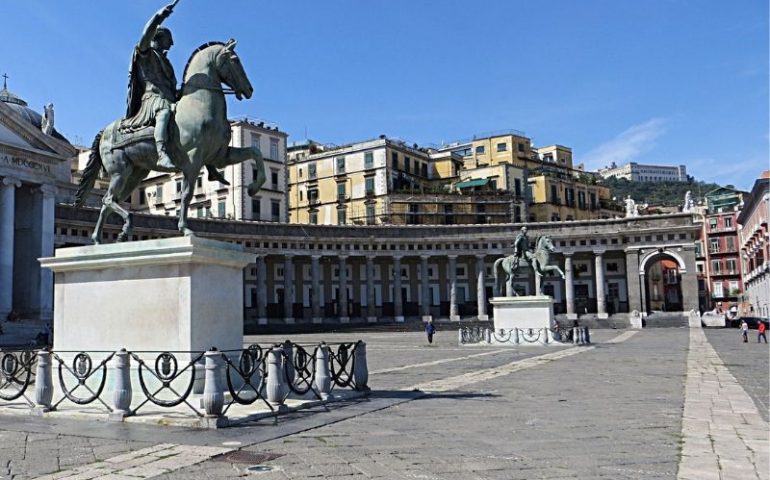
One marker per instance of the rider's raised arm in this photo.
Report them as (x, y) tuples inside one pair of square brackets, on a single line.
[(152, 25)]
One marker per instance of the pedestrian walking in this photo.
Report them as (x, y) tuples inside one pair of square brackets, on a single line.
[(761, 332), (430, 330), (745, 331)]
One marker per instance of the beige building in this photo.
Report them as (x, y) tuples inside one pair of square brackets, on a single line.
[(161, 193), (637, 172)]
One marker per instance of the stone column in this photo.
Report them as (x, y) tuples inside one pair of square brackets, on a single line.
[(601, 300), (453, 313), (425, 294), (398, 307), (689, 280), (371, 313), (635, 282), (8, 186), (569, 286), (288, 288), (538, 284), (261, 290), (342, 298), (481, 291), (46, 197), (315, 274)]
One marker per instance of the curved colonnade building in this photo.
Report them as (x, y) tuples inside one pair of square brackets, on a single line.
[(337, 274)]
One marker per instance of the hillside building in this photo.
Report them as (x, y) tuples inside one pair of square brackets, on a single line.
[(637, 172)]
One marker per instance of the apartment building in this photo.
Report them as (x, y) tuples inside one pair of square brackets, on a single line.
[(161, 193), (754, 242), (719, 248)]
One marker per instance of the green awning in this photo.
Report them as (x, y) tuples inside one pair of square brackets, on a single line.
[(476, 182)]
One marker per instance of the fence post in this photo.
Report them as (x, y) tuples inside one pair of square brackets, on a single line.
[(288, 352), (213, 395), (121, 393), (360, 369), (460, 336), (274, 388), (575, 334), (323, 379), (43, 382), (487, 335), (515, 333)]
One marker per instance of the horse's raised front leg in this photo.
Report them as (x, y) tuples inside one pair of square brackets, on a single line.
[(237, 155)]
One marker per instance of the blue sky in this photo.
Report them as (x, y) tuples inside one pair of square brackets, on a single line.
[(654, 81)]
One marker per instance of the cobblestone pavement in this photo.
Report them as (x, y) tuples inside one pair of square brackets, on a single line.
[(612, 410)]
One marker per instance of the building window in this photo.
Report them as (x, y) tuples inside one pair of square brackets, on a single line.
[(394, 160), (516, 214), (178, 186), (554, 194), (340, 191), (517, 187), (340, 164), (449, 214), (424, 170), (718, 292), (480, 150), (731, 266), (370, 214), (275, 210), (521, 147), (728, 222), (407, 165), (256, 208), (274, 149), (730, 243), (220, 209), (713, 223), (254, 173), (341, 217), (313, 218), (141, 196), (502, 147), (716, 267), (582, 200), (369, 185), (311, 174), (199, 181), (714, 245), (274, 178), (312, 195), (592, 196), (255, 140), (368, 159)]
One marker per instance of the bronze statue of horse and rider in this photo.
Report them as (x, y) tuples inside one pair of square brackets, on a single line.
[(537, 261), (185, 135)]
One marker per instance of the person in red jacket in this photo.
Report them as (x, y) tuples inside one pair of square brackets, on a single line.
[(761, 332)]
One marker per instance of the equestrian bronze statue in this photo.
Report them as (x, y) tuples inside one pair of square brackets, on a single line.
[(196, 131), (537, 261)]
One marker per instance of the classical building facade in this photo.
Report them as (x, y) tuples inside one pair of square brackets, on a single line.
[(754, 242), (161, 193), (321, 274), (637, 172), (33, 166)]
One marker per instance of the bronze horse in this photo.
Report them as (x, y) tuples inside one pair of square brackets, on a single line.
[(200, 133), (537, 260)]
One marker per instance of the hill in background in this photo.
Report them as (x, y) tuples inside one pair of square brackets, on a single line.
[(659, 193)]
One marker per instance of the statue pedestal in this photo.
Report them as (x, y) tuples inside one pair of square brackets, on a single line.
[(174, 294), (526, 312)]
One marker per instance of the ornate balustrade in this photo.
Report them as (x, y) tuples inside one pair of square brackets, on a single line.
[(523, 336)]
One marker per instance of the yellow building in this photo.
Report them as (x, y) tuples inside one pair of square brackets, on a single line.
[(561, 195)]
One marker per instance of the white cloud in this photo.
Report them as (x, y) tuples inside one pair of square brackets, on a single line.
[(627, 145)]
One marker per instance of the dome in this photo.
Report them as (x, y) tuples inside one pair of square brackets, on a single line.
[(30, 116)]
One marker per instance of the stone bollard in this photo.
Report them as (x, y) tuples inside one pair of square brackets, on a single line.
[(515, 335), (323, 378), (213, 393), (288, 357), (43, 383), (121, 393), (460, 336), (575, 335), (360, 369), (275, 386), (487, 335), (587, 336), (547, 338)]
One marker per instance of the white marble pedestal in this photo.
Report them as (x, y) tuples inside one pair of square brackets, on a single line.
[(525, 312), (174, 294)]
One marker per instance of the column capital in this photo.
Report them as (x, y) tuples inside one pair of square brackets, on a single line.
[(424, 257), (599, 253), (397, 258), (316, 256), (288, 255), (481, 256), (452, 256), (10, 182), (568, 254), (342, 257), (46, 190)]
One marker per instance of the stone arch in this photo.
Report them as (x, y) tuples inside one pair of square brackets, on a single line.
[(657, 255)]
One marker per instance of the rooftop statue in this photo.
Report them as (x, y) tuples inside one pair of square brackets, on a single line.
[(631, 210), (689, 205), (166, 129), (538, 261), (47, 122)]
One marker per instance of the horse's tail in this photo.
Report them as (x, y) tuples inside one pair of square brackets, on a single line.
[(92, 170)]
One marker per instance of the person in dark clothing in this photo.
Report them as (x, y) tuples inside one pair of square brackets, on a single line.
[(430, 330)]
